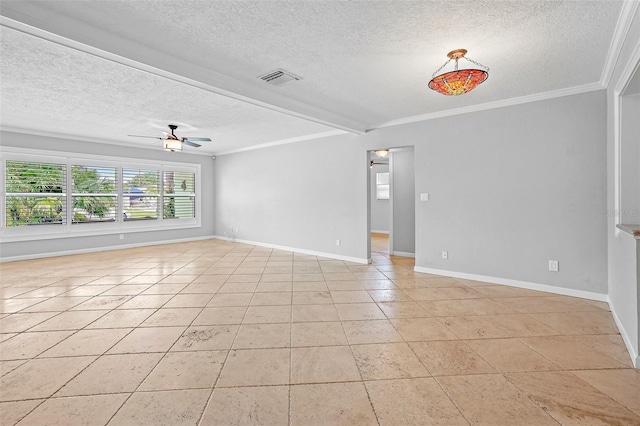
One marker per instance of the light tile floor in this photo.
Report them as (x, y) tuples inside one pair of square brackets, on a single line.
[(222, 333)]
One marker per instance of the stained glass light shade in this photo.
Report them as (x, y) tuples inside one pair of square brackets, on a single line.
[(458, 82)]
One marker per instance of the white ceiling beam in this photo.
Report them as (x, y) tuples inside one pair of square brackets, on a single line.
[(31, 19)]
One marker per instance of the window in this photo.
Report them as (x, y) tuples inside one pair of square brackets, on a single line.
[(35, 193), (94, 194), (140, 193), (45, 196), (179, 195), (382, 186)]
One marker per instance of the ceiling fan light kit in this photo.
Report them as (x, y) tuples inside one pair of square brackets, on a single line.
[(173, 143), (458, 82)]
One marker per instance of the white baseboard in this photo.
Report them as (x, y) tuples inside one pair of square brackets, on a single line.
[(297, 250), (373, 231), (403, 254), (515, 283), (97, 249), (635, 358)]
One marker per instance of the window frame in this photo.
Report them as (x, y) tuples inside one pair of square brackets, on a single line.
[(118, 226)]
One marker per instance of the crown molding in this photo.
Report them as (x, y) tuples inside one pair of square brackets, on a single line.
[(285, 141), (47, 134), (440, 114), (623, 26), (492, 105)]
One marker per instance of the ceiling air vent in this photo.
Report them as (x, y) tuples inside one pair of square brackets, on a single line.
[(279, 77)]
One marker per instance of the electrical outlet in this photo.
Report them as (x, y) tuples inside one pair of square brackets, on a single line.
[(424, 197), (121, 236), (445, 254), (237, 229), (337, 242), (553, 266)]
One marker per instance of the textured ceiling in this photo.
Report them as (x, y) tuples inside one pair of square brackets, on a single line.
[(364, 63), (51, 88)]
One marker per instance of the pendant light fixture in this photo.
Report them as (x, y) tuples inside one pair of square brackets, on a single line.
[(458, 82)]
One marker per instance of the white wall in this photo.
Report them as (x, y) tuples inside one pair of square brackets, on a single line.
[(304, 195), (60, 245), (380, 209), (623, 273), (510, 188), (403, 239)]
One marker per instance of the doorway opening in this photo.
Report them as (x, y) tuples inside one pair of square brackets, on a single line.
[(379, 204), (391, 209)]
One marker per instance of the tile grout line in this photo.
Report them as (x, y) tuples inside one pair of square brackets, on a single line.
[(44, 400), (373, 408), (224, 363), (159, 361), (290, 389), (434, 378)]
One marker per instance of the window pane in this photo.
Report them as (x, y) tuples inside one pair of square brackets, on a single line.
[(382, 192), (35, 193), (382, 186), (140, 191), (94, 194), (35, 210), (179, 207), (94, 209), (25, 176), (179, 195), (382, 178)]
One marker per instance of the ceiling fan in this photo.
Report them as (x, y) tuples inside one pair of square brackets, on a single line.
[(172, 143)]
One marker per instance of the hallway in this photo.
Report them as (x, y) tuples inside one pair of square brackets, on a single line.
[(380, 243)]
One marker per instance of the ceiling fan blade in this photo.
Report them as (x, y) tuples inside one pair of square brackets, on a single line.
[(187, 142), (169, 136), (197, 139), (138, 136)]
